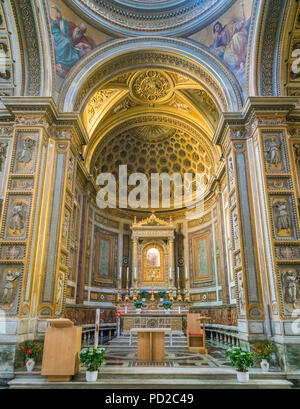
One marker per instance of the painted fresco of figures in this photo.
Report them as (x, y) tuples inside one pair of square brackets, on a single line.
[(230, 43), (70, 42)]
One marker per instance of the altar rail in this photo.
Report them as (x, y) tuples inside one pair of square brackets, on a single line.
[(223, 334), (106, 332)]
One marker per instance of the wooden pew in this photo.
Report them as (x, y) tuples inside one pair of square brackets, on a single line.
[(196, 334)]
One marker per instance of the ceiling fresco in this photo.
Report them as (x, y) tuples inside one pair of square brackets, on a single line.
[(225, 35)]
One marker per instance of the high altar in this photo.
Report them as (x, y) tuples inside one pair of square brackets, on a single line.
[(153, 258), (153, 270)]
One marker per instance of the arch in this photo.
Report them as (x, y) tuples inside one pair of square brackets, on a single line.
[(120, 56)]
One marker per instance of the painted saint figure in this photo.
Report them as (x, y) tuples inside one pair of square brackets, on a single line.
[(70, 42), (8, 293)]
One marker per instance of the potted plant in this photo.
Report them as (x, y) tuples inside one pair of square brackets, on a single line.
[(263, 351), (167, 306), (162, 295), (242, 360), (143, 294), (31, 352), (92, 358), (138, 305)]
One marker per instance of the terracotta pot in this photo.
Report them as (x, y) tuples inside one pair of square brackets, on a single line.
[(242, 377), (91, 376)]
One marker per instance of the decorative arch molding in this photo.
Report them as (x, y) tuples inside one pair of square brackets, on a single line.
[(121, 56), (272, 25), (132, 18), (25, 12)]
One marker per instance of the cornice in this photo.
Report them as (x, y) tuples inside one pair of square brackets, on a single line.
[(255, 107), (23, 106)]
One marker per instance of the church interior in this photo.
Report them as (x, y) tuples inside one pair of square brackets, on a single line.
[(128, 91)]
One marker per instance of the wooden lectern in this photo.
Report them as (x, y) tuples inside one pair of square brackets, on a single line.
[(151, 343), (196, 334), (61, 356)]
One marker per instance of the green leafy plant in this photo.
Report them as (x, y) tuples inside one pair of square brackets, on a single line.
[(138, 304), (31, 350), (162, 294), (167, 305), (92, 358), (263, 350), (143, 293), (240, 358)]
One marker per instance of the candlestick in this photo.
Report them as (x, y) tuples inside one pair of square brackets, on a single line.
[(120, 272), (152, 295), (186, 292), (135, 290), (186, 273), (170, 273), (119, 290), (179, 298), (127, 291), (127, 273)]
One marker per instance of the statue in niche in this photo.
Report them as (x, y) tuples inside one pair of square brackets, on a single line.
[(241, 292), (273, 152), (3, 152), (71, 168), (60, 293), (283, 219), (230, 171), (291, 287), (25, 154), (8, 293), (236, 231), (18, 216)]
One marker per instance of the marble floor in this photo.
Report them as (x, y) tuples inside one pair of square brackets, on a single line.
[(119, 352)]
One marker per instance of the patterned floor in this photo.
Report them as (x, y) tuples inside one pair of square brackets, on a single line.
[(176, 356)]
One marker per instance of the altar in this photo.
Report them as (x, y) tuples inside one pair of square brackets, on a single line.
[(175, 321)]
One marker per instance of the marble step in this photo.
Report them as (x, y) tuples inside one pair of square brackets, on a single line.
[(150, 383)]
